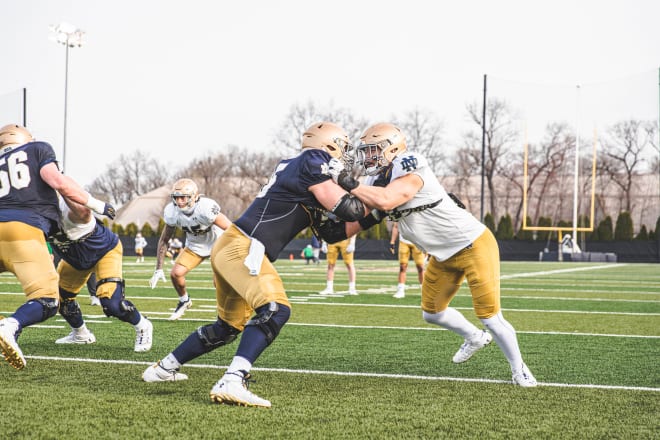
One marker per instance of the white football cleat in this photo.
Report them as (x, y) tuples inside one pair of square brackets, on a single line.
[(232, 389), (181, 308), (78, 337), (352, 292), (94, 300), (156, 373), (400, 293), (326, 291), (8, 345), (144, 337), (524, 378), (470, 347)]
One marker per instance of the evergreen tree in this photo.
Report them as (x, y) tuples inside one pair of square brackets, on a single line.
[(505, 228), (624, 227), (605, 229), (131, 229), (523, 234), (545, 222), (489, 221), (643, 235), (147, 230)]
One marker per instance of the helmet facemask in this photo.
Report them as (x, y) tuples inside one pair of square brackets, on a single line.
[(370, 157), (184, 195)]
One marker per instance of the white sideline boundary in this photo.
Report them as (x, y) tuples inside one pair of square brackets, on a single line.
[(353, 374)]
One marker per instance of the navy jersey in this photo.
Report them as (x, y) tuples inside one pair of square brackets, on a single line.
[(282, 208), (24, 196), (85, 252)]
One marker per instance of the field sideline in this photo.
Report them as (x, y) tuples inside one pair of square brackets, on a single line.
[(363, 366)]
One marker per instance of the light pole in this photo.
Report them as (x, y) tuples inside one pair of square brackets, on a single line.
[(69, 36)]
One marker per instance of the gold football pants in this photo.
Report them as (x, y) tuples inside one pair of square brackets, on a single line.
[(109, 266)]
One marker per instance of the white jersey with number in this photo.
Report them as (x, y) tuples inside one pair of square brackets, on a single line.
[(441, 230), (200, 231)]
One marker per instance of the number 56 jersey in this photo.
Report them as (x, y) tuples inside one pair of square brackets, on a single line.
[(200, 231)]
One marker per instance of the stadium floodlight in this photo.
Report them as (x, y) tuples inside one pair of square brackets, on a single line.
[(69, 36)]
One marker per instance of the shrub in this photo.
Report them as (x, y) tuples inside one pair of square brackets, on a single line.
[(624, 227)]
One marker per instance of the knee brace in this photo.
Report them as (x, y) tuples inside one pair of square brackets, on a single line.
[(116, 305), (70, 311), (270, 319), (217, 334), (49, 306)]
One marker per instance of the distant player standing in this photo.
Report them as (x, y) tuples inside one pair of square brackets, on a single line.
[(200, 218), (140, 244), (406, 249)]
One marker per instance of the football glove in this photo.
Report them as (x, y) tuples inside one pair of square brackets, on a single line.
[(324, 247), (335, 166), (158, 275), (351, 247), (347, 181), (109, 211), (392, 248)]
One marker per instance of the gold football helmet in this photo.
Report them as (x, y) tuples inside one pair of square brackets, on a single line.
[(327, 136), (13, 134), (184, 195), (379, 145)]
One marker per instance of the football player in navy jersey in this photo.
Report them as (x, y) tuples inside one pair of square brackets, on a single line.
[(203, 223), (297, 195), (87, 247), (29, 183)]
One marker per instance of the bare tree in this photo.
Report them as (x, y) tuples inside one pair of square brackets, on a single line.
[(424, 134), (130, 176), (624, 147), (500, 139), (301, 116)]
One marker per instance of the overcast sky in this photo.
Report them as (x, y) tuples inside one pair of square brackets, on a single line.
[(179, 78)]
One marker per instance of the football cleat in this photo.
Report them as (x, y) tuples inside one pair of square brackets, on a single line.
[(144, 337), (470, 347), (232, 389), (352, 292), (8, 345), (94, 300), (156, 373), (399, 294), (181, 308), (524, 378), (326, 291), (78, 337)]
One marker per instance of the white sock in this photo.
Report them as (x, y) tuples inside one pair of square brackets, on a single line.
[(184, 298), (401, 287), (351, 286), (169, 362), (505, 337), (142, 323), (453, 320), (81, 329), (330, 285), (239, 363)]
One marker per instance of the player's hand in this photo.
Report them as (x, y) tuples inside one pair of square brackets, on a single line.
[(109, 211), (347, 181), (392, 248), (158, 275), (324, 247), (335, 166), (350, 248)]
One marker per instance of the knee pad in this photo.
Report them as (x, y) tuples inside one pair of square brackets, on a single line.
[(50, 306), (270, 319), (116, 305), (217, 334), (70, 308)]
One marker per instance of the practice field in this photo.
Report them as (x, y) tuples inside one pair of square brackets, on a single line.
[(358, 367)]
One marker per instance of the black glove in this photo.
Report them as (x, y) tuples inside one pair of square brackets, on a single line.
[(392, 248), (109, 211), (346, 181)]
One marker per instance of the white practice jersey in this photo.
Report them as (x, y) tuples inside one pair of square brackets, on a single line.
[(200, 231), (74, 231), (441, 230)]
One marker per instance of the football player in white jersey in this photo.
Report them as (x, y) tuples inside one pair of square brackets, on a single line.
[(200, 218), (402, 184)]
